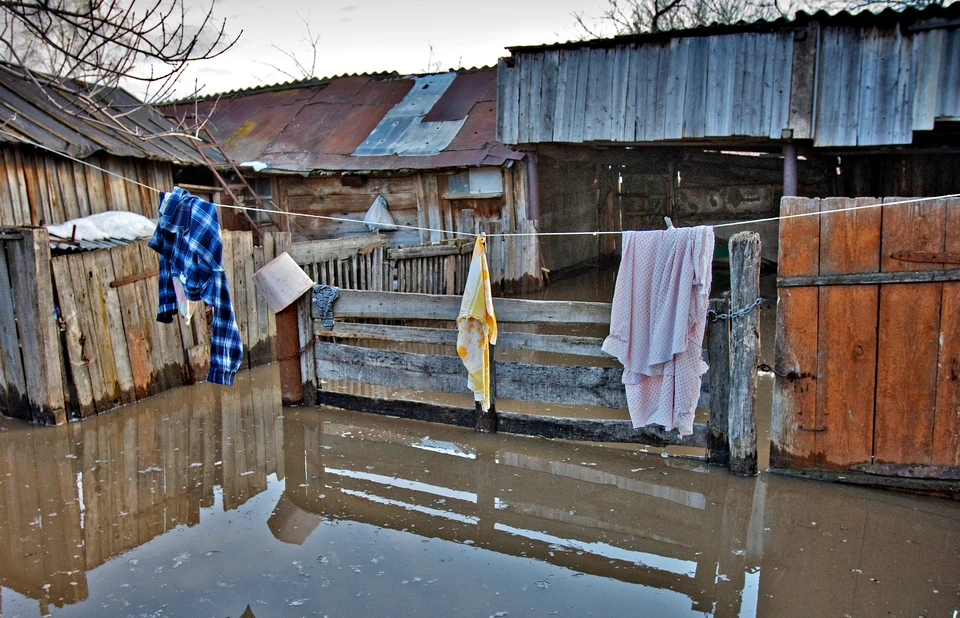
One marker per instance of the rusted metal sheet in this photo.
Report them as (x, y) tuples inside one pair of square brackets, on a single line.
[(55, 125), (319, 125)]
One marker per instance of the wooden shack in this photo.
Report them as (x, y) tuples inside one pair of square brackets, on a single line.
[(715, 124), (38, 186), (426, 144)]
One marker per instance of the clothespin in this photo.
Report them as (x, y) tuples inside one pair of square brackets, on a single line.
[(668, 222)]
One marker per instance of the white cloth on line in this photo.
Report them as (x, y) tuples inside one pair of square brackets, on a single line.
[(657, 322)]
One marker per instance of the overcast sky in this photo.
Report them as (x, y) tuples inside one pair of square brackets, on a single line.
[(362, 36)]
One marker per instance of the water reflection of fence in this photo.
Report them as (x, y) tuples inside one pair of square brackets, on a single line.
[(86, 325), (77, 495)]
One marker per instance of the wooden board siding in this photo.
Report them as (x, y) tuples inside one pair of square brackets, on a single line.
[(883, 358), (37, 188), (651, 91), (839, 85)]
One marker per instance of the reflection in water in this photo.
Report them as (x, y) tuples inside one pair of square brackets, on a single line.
[(217, 502)]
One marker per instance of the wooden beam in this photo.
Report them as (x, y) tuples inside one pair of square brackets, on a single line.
[(588, 430), (718, 356), (598, 430), (919, 276), (948, 473), (451, 248), (134, 278), (745, 352), (936, 486), (559, 344), (596, 386), (393, 305), (338, 248)]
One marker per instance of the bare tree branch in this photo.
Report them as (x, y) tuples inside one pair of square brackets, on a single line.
[(80, 52)]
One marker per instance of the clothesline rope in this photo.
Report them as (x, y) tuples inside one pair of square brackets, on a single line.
[(473, 234)]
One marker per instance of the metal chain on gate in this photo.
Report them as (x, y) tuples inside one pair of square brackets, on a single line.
[(714, 316)]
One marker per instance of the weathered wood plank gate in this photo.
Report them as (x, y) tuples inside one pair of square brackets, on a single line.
[(868, 339)]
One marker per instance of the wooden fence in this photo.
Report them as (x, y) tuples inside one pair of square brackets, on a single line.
[(367, 263), (730, 433), (111, 350), (868, 341)]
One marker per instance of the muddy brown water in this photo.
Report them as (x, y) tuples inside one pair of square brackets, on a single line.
[(217, 502), (210, 501)]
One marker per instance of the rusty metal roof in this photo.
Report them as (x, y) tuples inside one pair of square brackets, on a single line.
[(28, 112), (361, 122)]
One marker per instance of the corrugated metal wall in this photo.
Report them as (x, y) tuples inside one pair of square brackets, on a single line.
[(874, 86)]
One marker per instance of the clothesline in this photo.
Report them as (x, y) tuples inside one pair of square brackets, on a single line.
[(472, 234)]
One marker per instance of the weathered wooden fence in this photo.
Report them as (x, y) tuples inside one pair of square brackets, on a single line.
[(868, 340), (730, 432), (118, 352), (367, 263), (79, 335)]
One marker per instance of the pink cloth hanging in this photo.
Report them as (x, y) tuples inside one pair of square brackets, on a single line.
[(657, 322)]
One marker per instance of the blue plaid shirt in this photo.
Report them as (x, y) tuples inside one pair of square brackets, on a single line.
[(188, 241)]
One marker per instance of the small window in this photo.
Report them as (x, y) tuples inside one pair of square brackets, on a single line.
[(262, 187), (481, 182)]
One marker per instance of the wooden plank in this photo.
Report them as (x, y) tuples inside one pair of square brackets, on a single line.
[(90, 353), (802, 84), (744, 352), (947, 487), (847, 335), (29, 268), (557, 344), (171, 359), (403, 253), (244, 265), (114, 324), (96, 189), (11, 363), (323, 250), (596, 430), (946, 426), (392, 305), (695, 101), (54, 190), (718, 380), (135, 326), (795, 386), (431, 196), (110, 397), (19, 179), (949, 473), (599, 386), (71, 199), (909, 326), (920, 276)]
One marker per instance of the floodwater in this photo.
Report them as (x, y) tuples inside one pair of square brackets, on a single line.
[(217, 502)]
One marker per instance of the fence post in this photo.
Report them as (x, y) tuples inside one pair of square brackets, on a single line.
[(718, 356), (308, 362), (30, 277), (745, 351)]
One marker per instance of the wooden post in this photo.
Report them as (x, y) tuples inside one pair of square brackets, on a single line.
[(718, 356), (745, 352), (487, 421), (288, 352), (308, 362)]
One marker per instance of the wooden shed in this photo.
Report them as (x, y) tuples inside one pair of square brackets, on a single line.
[(715, 124), (426, 144), (38, 186)]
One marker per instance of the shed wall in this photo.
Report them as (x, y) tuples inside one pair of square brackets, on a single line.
[(38, 188)]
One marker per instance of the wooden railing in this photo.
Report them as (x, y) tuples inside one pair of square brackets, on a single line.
[(729, 434)]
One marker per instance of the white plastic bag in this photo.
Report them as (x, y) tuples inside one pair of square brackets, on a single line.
[(378, 217)]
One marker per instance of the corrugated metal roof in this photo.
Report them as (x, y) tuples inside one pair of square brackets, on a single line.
[(59, 125), (320, 125)]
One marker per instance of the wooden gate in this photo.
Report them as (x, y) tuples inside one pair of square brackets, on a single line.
[(868, 338)]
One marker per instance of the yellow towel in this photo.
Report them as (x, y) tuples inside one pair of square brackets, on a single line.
[(477, 325)]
